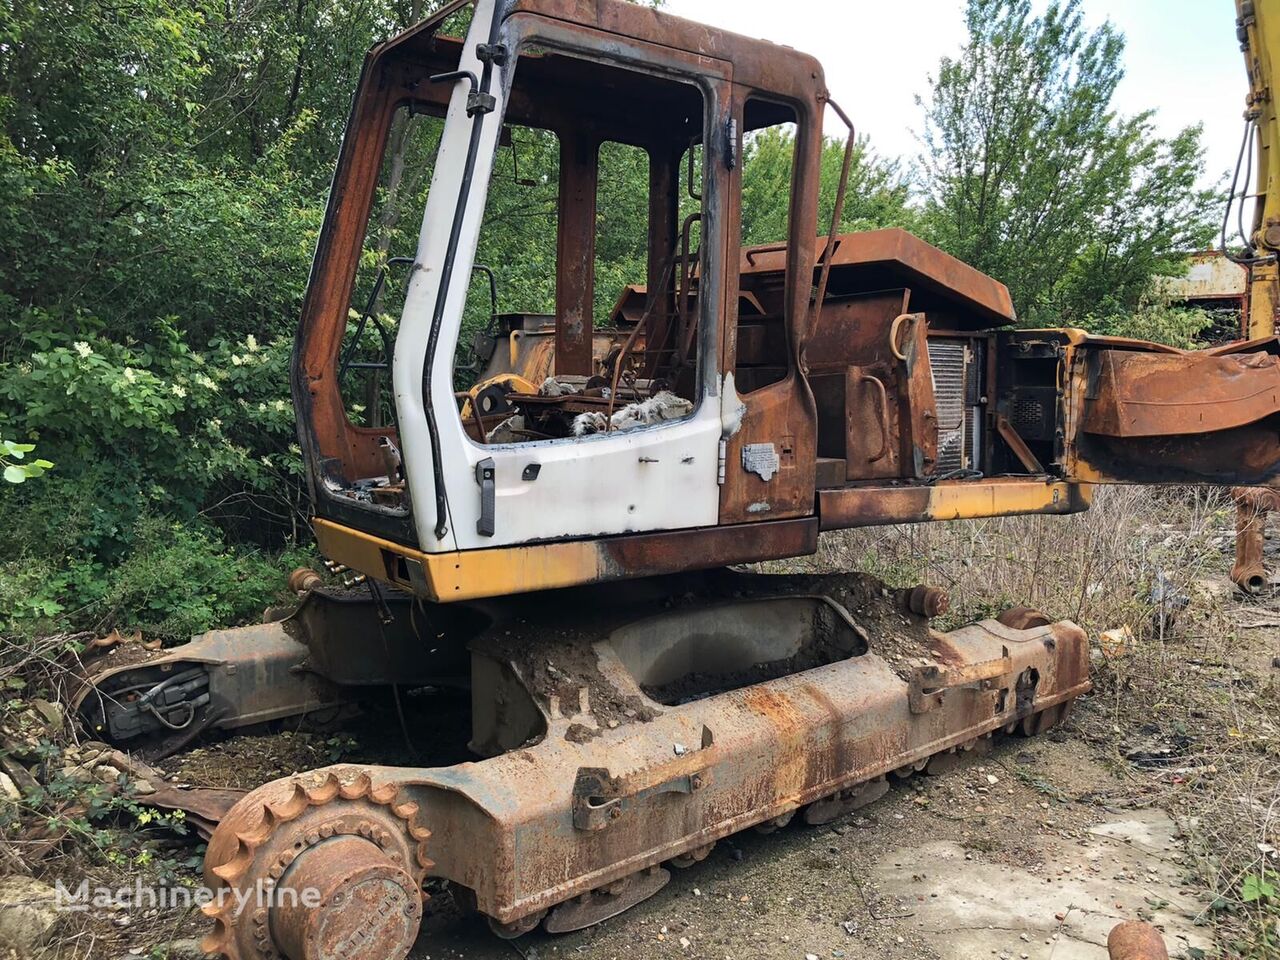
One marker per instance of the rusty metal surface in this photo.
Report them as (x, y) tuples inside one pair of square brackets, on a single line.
[(1134, 940), (307, 664), (240, 676), (872, 505), (303, 579), (781, 416), (756, 63), (928, 601), (1023, 618), (335, 833), (575, 252), (1136, 393), (1143, 414), (204, 806), (518, 831), (657, 553), (1210, 278), (896, 258), (1249, 571)]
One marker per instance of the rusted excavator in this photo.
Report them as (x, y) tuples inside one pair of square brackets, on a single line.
[(555, 538)]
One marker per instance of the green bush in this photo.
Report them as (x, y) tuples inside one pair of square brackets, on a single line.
[(175, 580)]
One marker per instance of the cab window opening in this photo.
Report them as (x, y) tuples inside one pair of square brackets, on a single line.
[(592, 232)]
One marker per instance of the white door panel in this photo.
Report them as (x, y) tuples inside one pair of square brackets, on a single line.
[(657, 478)]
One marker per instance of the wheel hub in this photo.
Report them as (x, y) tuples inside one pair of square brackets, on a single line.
[(322, 867), (344, 899)]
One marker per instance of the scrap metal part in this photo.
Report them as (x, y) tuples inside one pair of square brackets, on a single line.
[(646, 739), (323, 865), (1134, 940), (1253, 504), (311, 663)]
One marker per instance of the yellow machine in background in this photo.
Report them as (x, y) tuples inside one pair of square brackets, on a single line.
[(1258, 28)]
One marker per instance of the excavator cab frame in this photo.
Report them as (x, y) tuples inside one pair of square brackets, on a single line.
[(634, 82)]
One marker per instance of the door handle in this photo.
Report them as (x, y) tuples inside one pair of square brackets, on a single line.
[(485, 474)]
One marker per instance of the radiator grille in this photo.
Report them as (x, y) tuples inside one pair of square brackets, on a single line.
[(949, 361)]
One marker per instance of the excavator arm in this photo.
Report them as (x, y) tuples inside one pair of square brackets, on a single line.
[(1258, 29)]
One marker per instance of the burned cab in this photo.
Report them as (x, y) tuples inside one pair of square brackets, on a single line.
[(645, 394), (595, 403)]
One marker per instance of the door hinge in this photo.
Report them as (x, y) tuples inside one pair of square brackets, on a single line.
[(721, 457)]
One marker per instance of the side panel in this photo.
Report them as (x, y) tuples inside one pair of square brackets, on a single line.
[(770, 444), (1137, 413)]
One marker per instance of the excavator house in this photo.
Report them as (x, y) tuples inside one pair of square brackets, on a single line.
[(545, 513)]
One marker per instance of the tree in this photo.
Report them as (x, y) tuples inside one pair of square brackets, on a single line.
[(876, 197), (1030, 175)]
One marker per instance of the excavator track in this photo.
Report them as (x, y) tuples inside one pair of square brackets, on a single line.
[(628, 743)]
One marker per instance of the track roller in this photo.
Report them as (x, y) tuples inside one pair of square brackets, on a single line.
[(516, 928), (696, 855), (775, 823), (846, 801)]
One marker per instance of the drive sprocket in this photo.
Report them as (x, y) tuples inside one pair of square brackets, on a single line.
[(320, 866)]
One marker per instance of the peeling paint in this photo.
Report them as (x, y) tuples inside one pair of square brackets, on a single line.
[(762, 506), (732, 409)]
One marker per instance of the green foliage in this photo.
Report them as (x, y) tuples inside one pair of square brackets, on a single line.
[(877, 194), (1153, 319), (1255, 887), (1030, 174), (108, 823), (172, 581), (13, 458)]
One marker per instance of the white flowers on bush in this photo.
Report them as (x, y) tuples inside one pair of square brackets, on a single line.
[(82, 348)]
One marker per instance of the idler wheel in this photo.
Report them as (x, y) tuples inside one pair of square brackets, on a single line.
[(353, 903)]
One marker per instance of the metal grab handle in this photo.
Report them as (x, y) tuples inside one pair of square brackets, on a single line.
[(766, 248), (600, 798), (883, 399), (893, 335), (486, 477)]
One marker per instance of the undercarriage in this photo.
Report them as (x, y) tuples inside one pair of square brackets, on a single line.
[(617, 742)]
